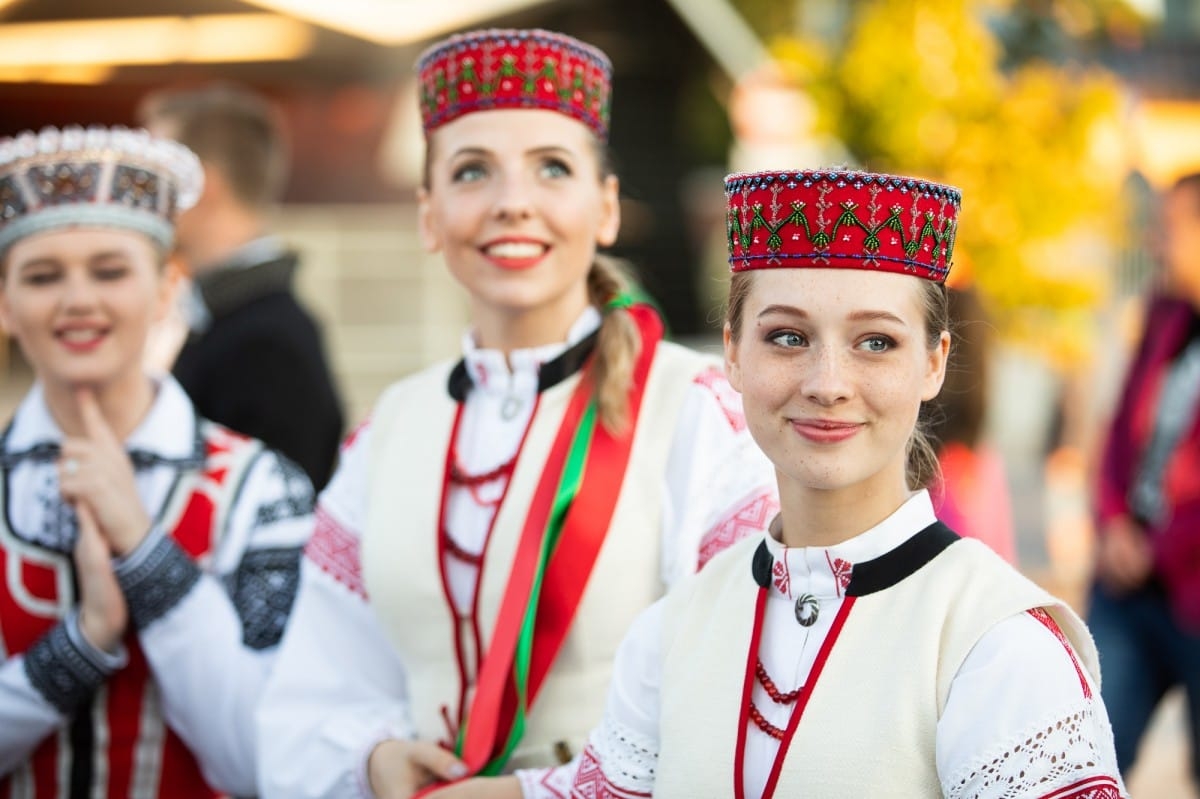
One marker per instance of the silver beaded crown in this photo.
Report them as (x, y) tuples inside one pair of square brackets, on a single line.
[(98, 177)]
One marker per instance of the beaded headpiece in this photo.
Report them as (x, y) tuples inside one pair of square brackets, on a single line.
[(855, 220), (99, 177), (511, 68)]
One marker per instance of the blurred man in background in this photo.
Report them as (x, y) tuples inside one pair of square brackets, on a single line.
[(1145, 609), (254, 359)]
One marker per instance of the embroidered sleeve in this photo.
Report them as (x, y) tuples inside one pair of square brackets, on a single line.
[(621, 757), (154, 578), (338, 687), (263, 588), (720, 487), (1062, 756), (65, 669), (1047, 732)]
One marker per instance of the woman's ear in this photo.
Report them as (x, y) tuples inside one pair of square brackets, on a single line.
[(610, 212), (733, 369), (427, 228), (935, 374)]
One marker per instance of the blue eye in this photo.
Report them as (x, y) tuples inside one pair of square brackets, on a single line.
[(877, 344), (554, 168), (469, 173), (787, 338)]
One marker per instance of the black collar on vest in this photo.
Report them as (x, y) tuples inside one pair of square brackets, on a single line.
[(884, 571), (551, 373)]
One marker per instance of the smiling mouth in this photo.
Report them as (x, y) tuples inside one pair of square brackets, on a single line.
[(825, 431), (515, 254), (81, 338)]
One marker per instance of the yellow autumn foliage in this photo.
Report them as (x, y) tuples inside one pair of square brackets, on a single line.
[(917, 88)]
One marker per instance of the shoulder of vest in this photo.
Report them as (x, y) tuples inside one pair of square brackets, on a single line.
[(681, 357)]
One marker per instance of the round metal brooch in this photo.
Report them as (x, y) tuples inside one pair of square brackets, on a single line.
[(807, 610)]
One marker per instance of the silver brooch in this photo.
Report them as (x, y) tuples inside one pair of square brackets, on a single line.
[(807, 610)]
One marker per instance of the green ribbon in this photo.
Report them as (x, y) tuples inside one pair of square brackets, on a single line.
[(568, 488)]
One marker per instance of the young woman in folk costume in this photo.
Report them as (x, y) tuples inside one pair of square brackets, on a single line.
[(148, 557), (499, 522), (860, 648)]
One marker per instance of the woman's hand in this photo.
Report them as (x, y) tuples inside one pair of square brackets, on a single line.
[(480, 788), (1123, 557), (95, 471), (398, 769), (103, 614)]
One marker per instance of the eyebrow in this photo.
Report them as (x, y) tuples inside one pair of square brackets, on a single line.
[(856, 316), (484, 152), (50, 261)]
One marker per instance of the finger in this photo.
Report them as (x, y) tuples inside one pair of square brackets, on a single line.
[(438, 761), (95, 426), (91, 549)]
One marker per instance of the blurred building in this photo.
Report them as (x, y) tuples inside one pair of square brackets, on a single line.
[(342, 73)]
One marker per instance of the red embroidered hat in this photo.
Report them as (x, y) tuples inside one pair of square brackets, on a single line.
[(854, 220), (510, 68)]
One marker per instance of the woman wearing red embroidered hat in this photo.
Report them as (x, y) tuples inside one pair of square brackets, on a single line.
[(860, 648), (499, 522), (148, 558)]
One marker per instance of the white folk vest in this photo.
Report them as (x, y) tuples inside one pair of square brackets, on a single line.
[(869, 727), (410, 437)]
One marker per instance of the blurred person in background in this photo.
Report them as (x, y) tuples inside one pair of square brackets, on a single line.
[(971, 495), (254, 359), (148, 557), (499, 521), (1145, 604)]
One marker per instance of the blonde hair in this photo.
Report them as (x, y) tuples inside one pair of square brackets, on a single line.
[(617, 346)]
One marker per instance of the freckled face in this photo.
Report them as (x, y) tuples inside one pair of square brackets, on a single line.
[(517, 207), (833, 365), (81, 302)]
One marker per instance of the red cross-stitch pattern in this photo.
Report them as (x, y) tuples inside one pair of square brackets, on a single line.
[(747, 518), (730, 401), (1090, 788), (337, 552), (1041, 615), (591, 782)]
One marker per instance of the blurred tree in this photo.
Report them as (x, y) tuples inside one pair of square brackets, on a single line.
[(1036, 144)]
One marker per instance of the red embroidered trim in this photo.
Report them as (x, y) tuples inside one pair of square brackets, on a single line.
[(842, 571), (777, 696), (713, 378), (337, 552), (1050, 624), (1101, 787), (748, 517), (592, 783)]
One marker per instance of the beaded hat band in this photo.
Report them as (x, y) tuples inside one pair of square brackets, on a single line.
[(512, 68), (99, 177), (847, 219)]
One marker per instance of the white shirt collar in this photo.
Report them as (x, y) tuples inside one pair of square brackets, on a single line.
[(493, 372), (826, 570), (168, 428)]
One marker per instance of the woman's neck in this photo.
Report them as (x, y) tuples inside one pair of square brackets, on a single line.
[(825, 518), (123, 406), (506, 331)]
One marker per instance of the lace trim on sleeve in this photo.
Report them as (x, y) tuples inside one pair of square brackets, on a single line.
[(617, 763), (1067, 755)]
